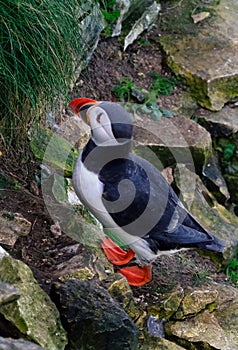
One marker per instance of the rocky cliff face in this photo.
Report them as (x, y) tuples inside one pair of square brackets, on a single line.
[(89, 305)]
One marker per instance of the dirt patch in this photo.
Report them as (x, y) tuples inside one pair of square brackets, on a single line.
[(109, 64), (42, 250)]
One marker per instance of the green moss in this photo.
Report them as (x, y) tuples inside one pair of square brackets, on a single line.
[(211, 307), (197, 85), (110, 14), (221, 89), (169, 306), (83, 274), (121, 291), (232, 269), (34, 314), (54, 150), (209, 93)]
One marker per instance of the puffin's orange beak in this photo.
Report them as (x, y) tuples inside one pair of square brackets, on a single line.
[(78, 103)]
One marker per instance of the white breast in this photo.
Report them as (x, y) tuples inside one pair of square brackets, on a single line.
[(87, 186)]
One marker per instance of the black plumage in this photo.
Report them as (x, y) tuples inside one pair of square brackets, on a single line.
[(186, 231)]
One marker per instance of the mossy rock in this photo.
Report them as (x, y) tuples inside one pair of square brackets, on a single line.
[(196, 53), (54, 150), (33, 314)]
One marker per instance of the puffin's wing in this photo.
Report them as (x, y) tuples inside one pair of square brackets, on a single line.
[(135, 195), (195, 234), (140, 200)]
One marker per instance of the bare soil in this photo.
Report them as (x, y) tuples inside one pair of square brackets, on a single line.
[(42, 250)]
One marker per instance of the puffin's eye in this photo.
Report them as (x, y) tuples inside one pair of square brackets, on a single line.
[(98, 118)]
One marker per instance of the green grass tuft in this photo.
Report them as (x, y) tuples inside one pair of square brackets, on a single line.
[(123, 89), (163, 85), (160, 86), (232, 269), (39, 44), (110, 13)]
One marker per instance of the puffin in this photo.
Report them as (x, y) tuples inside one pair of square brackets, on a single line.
[(130, 196)]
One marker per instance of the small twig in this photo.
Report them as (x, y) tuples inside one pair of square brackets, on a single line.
[(33, 225), (172, 8)]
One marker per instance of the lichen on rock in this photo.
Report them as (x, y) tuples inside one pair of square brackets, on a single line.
[(205, 57), (33, 313)]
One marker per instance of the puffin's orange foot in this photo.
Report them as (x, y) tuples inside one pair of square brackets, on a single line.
[(136, 275), (115, 254)]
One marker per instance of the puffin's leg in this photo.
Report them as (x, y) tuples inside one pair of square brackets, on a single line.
[(135, 275), (115, 254)]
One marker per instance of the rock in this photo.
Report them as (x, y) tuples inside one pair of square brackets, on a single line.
[(227, 312), (155, 326), (213, 216), (54, 149), (148, 341), (212, 172), (223, 123), (123, 6), (180, 104), (173, 140), (153, 343), (210, 328), (121, 291), (135, 17), (72, 268), (130, 12), (200, 16), (196, 300), (138, 94), (33, 314), (232, 183), (18, 344), (92, 318), (203, 330), (83, 274), (8, 293), (169, 305), (205, 56), (12, 225), (91, 23), (223, 126), (148, 17)]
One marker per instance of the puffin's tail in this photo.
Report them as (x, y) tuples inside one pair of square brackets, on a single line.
[(207, 240), (214, 245)]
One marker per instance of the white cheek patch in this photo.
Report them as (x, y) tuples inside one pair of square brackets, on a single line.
[(101, 127)]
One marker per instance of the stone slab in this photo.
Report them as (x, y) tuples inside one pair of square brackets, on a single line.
[(206, 58)]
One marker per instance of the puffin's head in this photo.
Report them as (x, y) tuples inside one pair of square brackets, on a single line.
[(110, 123)]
